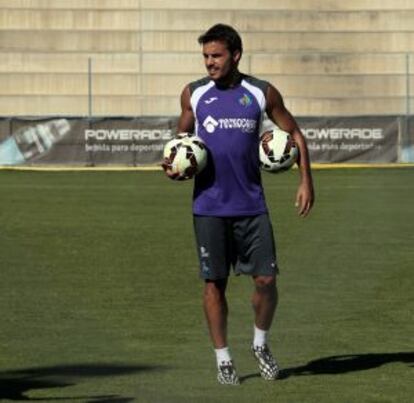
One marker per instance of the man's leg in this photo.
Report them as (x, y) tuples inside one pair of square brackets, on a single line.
[(264, 302), (214, 252), (216, 311)]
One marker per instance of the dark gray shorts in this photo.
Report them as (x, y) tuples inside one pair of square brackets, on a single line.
[(246, 243)]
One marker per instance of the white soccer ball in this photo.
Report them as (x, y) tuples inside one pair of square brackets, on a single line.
[(278, 151), (187, 156)]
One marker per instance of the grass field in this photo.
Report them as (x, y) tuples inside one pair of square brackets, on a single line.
[(100, 299)]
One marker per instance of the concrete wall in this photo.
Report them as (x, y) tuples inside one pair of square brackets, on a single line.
[(326, 57)]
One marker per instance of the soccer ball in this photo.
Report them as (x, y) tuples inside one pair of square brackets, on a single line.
[(186, 156), (277, 152)]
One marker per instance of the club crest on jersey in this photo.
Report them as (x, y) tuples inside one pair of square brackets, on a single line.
[(210, 124), (245, 100)]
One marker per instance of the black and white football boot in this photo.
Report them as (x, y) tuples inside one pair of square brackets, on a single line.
[(268, 367), (227, 373)]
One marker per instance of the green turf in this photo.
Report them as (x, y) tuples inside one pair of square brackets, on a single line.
[(100, 296)]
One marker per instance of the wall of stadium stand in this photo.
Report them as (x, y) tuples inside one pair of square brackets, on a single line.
[(327, 57)]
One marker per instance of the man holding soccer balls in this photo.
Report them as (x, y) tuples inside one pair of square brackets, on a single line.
[(231, 222)]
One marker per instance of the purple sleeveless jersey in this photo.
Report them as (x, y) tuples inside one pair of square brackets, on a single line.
[(229, 122)]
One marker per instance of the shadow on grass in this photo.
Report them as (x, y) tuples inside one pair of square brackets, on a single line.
[(15, 384), (343, 364)]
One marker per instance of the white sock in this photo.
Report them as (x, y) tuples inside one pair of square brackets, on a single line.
[(222, 354), (259, 337)]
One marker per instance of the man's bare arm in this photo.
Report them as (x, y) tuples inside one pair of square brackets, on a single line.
[(185, 124), (278, 113), (186, 120)]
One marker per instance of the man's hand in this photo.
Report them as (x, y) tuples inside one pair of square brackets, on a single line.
[(167, 166), (266, 136), (304, 198)]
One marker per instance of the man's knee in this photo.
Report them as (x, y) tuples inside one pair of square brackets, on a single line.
[(215, 289), (265, 283)]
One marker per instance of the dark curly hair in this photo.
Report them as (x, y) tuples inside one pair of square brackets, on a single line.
[(223, 33)]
